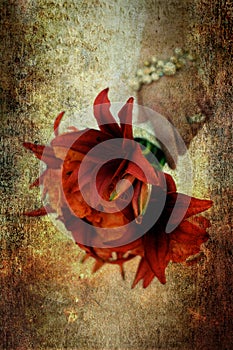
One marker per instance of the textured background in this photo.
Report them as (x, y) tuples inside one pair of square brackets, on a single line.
[(57, 55)]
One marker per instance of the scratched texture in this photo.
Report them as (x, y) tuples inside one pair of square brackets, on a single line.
[(57, 55)]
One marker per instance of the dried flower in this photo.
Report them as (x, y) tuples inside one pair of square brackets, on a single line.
[(106, 192)]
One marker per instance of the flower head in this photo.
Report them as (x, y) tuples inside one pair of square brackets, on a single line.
[(106, 192)]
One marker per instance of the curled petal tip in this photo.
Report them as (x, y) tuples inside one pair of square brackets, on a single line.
[(102, 97), (130, 100), (103, 115)]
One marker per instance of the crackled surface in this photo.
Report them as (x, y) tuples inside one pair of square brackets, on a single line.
[(56, 56)]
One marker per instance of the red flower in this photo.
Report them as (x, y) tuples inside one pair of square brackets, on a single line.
[(114, 202)]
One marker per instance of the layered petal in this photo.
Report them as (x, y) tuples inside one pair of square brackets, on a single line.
[(106, 192), (104, 117), (57, 123), (41, 211), (144, 273), (186, 240), (141, 168), (44, 153), (125, 116), (156, 244), (184, 206)]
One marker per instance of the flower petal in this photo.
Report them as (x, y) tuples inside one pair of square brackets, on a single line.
[(104, 117), (125, 116), (40, 212), (171, 186), (70, 177), (144, 273), (183, 206), (44, 153), (187, 238), (80, 141), (136, 169), (98, 264), (156, 244), (39, 180), (57, 123)]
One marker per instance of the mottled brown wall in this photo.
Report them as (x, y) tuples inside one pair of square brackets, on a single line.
[(57, 55)]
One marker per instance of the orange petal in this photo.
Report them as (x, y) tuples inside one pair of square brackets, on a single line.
[(98, 265), (104, 117), (40, 212), (57, 123), (156, 245), (139, 166), (144, 273), (186, 240), (44, 153), (125, 116), (186, 206), (39, 180)]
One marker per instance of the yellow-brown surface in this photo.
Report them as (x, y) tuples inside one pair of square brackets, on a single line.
[(57, 55)]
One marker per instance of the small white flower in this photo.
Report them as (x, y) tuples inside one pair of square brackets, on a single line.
[(155, 76), (160, 64), (146, 79), (169, 68)]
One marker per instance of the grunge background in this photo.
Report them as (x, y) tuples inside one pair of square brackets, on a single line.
[(57, 55)]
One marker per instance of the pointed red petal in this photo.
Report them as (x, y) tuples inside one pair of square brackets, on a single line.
[(122, 271), (57, 123), (86, 256), (148, 278), (185, 206), (120, 170), (140, 168), (198, 206), (40, 212), (104, 117), (81, 141), (125, 116), (186, 240), (97, 266), (157, 252), (44, 153), (144, 273), (38, 181), (36, 149), (139, 165), (200, 221)]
